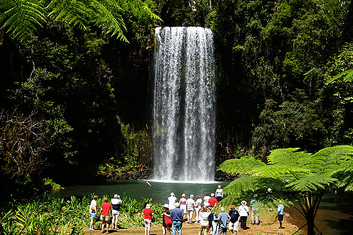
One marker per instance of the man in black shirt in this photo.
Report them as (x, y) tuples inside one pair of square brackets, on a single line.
[(234, 220)]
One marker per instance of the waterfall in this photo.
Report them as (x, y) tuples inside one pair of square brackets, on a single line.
[(184, 105)]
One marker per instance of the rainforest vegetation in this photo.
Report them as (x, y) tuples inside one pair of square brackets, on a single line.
[(76, 82)]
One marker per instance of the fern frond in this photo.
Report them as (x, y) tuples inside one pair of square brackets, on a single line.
[(252, 183), (281, 171), (346, 75), (244, 165), (21, 18), (311, 183), (329, 160), (288, 156)]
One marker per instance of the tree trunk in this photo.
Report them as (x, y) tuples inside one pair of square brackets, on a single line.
[(310, 221)]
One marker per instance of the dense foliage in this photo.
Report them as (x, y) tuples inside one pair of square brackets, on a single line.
[(50, 215), (293, 175), (82, 70)]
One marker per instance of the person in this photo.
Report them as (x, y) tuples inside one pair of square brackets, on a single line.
[(223, 221), (254, 212), (172, 200), (105, 212), (167, 220), (147, 212), (182, 203), (269, 196), (198, 207), (93, 212), (243, 213), (190, 204), (116, 203), (212, 201), (177, 216), (204, 221), (205, 200), (213, 219), (219, 193), (234, 220), (280, 212)]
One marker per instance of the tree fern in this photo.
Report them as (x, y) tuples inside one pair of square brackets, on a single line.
[(21, 17), (294, 173)]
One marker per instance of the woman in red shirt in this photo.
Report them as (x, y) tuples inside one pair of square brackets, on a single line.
[(147, 212)]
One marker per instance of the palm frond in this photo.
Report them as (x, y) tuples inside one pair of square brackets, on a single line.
[(21, 18), (311, 183), (244, 165)]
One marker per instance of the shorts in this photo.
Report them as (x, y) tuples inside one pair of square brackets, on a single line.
[(234, 226), (147, 223), (280, 217), (183, 208), (105, 218), (92, 215), (115, 214)]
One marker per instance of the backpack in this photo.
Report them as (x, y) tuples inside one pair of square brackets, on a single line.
[(167, 220)]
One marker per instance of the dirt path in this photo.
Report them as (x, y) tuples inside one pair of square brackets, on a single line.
[(193, 229)]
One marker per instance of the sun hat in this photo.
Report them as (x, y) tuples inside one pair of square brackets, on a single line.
[(212, 194), (166, 206), (232, 206)]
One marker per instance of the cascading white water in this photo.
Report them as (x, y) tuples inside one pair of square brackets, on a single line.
[(184, 105)]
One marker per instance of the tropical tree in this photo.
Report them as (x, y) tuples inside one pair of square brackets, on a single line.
[(21, 18), (294, 176)]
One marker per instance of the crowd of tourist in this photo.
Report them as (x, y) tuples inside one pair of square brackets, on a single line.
[(177, 211)]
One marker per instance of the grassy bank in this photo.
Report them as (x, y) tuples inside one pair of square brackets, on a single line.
[(50, 215)]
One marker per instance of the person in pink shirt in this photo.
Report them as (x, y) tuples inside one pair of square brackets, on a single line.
[(105, 212)]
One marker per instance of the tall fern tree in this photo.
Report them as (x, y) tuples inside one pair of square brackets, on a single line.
[(294, 175), (21, 18)]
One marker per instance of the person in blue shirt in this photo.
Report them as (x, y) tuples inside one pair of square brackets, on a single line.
[(254, 213), (177, 216), (280, 212), (223, 220)]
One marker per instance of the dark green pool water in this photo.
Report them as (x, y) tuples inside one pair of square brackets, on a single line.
[(158, 191)]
